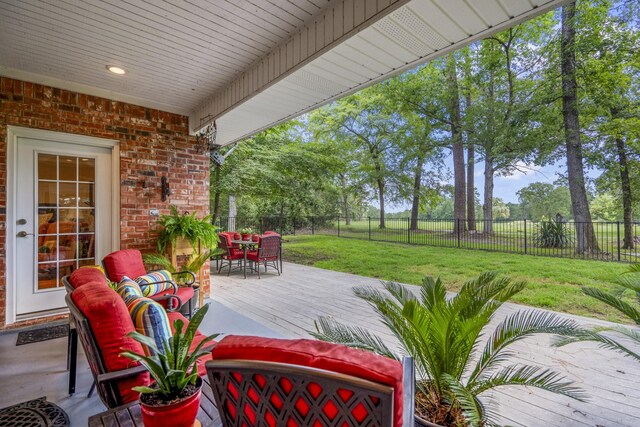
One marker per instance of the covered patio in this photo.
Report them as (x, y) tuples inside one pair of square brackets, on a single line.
[(287, 305)]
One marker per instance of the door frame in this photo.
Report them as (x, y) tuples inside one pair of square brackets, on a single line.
[(15, 132)]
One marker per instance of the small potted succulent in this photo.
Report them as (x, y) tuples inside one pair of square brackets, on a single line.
[(246, 233), (174, 399)]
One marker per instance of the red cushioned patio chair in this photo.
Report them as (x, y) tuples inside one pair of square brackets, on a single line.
[(272, 382), (268, 253), (128, 262), (229, 253)]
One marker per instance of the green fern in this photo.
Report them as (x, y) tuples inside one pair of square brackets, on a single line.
[(443, 335), (188, 227)]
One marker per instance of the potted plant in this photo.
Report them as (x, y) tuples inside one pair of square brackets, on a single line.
[(187, 227), (442, 334), (246, 233), (174, 399)]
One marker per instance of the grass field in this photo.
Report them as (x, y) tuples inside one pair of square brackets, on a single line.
[(553, 283)]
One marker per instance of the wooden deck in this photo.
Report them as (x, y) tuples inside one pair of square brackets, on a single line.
[(290, 303)]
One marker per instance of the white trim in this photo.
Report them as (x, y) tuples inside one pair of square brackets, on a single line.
[(89, 90), (13, 132)]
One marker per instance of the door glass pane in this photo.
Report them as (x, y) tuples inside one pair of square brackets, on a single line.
[(68, 194), (47, 166), (68, 168), (86, 220), (47, 193), (87, 170), (86, 195), (47, 275), (66, 201)]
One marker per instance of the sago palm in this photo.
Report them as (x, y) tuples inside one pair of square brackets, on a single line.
[(630, 281), (444, 337)]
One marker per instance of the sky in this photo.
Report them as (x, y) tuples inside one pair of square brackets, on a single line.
[(506, 187)]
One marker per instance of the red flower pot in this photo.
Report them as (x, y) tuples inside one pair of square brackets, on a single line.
[(246, 236), (178, 414), (255, 237)]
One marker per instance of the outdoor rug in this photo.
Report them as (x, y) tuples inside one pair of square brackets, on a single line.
[(34, 413), (42, 334)]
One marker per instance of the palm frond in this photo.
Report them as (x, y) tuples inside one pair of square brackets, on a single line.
[(603, 341), (531, 376), (615, 302), (327, 329), (471, 406), (516, 327)]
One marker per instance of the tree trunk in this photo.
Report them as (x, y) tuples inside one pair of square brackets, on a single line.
[(345, 201), (625, 181), (457, 146), (585, 235), (487, 208), (381, 199), (471, 186), (216, 195), (231, 226), (417, 183)]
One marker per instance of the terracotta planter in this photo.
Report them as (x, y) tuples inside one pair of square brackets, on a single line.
[(246, 236), (255, 237), (179, 414)]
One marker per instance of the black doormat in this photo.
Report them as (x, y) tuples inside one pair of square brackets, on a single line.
[(42, 334), (34, 413)]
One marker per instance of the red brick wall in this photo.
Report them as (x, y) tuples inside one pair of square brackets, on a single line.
[(152, 144)]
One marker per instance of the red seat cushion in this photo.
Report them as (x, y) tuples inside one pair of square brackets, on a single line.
[(127, 262), (110, 323), (83, 276), (317, 354), (253, 256), (197, 339)]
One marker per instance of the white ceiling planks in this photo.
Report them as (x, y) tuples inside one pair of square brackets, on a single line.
[(414, 33), (248, 63)]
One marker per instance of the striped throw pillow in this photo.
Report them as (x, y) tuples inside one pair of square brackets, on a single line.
[(150, 319), (128, 288), (156, 282)]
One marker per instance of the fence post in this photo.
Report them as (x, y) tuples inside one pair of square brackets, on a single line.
[(618, 224), (313, 230), (408, 230), (369, 228), (525, 236), (458, 230), (338, 225)]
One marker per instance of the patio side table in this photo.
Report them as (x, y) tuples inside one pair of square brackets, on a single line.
[(129, 415), (245, 244)]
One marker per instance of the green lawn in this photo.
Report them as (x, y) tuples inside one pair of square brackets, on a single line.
[(554, 283)]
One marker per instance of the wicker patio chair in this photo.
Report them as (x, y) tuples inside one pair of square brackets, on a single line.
[(268, 254)]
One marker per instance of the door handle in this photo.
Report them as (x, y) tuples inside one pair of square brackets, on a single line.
[(24, 234)]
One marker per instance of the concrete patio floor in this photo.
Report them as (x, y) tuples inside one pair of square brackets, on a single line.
[(290, 303)]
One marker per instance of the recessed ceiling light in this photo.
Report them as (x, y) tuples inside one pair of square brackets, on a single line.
[(115, 70)]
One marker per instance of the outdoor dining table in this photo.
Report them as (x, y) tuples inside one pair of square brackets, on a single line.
[(245, 245)]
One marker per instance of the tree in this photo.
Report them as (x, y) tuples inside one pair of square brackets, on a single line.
[(544, 201), (585, 235), (605, 206), (455, 119)]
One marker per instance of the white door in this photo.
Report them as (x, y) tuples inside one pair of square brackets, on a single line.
[(63, 218)]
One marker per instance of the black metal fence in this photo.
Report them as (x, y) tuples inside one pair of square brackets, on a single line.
[(596, 240)]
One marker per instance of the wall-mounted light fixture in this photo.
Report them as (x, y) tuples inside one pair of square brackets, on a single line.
[(166, 191)]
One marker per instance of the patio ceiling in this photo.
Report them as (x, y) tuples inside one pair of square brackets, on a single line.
[(248, 64)]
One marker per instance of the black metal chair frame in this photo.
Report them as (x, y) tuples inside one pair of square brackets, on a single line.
[(222, 372), (227, 252), (72, 338), (265, 251), (104, 381)]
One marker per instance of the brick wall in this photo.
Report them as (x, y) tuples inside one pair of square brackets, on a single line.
[(152, 144)]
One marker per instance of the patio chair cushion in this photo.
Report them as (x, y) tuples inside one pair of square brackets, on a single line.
[(110, 322), (197, 339), (155, 282), (150, 319), (320, 355), (270, 233), (128, 288), (126, 262), (82, 276)]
